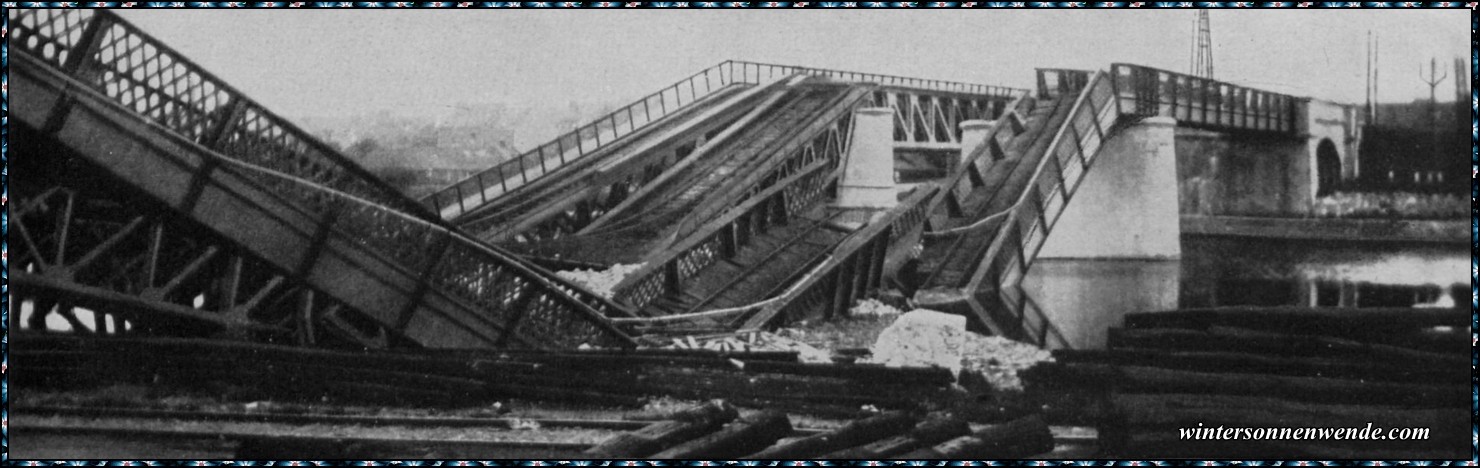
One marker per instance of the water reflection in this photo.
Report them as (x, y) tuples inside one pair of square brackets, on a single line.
[(1085, 297)]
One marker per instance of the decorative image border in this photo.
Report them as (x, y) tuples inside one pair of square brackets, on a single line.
[(5, 222)]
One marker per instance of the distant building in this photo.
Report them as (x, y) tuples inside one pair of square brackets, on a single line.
[(422, 155), (1417, 146)]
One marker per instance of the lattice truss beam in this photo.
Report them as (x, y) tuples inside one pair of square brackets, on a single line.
[(88, 262), (933, 117), (415, 275), (582, 208)]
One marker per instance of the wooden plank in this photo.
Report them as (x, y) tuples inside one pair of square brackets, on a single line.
[(1324, 321), (1246, 341), (1104, 378), (1248, 363)]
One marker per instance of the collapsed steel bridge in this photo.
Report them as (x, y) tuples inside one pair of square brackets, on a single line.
[(156, 199)]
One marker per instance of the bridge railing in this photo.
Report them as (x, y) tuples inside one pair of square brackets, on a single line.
[(139, 72), (1200, 102), (149, 82), (1068, 157), (926, 111), (1055, 82), (1017, 240), (748, 69), (962, 183), (852, 270), (477, 190)]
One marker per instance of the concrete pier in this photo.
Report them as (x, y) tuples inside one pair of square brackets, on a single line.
[(973, 135), (1127, 206), (868, 175)]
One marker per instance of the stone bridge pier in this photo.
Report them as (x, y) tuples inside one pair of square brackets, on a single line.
[(1127, 206)]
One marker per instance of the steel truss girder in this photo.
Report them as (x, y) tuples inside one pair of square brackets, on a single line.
[(934, 117), (139, 271), (432, 285)]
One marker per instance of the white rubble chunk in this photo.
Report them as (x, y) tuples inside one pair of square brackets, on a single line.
[(1000, 359), (922, 338), (600, 281), (872, 308)]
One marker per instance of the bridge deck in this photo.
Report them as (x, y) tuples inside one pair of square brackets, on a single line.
[(674, 204), (602, 178), (945, 262), (757, 271)]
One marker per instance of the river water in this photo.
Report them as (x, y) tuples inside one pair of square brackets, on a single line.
[(1084, 298)]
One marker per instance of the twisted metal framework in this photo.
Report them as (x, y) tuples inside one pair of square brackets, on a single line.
[(586, 190), (84, 252), (237, 222), (991, 270), (1018, 233), (971, 268), (854, 270), (1058, 174), (928, 109), (924, 119), (801, 180), (138, 112), (699, 189)]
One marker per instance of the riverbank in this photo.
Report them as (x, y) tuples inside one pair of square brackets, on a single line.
[(1363, 230)]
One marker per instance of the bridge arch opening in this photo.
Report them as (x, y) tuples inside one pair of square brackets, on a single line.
[(1328, 168)]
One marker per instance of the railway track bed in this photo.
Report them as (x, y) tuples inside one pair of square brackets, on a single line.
[(210, 399), (708, 430)]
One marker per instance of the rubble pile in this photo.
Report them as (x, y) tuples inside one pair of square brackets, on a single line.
[(1000, 360), (922, 338), (928, 338), (600, 281), (1404, 205), (919, 338), (841, 334), (873, 308)]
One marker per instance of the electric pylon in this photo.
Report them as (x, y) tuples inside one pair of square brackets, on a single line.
[(1202, 53)]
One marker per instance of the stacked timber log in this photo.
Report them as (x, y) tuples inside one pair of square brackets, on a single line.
[(627, 378), (715, 430), (1265, 368)]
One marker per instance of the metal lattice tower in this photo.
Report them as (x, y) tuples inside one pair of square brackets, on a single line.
[(1201, 61)]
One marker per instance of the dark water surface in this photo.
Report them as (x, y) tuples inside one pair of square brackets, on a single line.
[(1085, 297)]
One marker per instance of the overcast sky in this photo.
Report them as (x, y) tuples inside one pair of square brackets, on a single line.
[(342, 62)]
